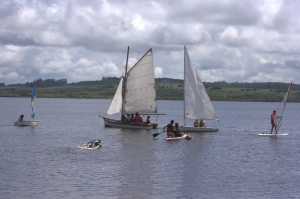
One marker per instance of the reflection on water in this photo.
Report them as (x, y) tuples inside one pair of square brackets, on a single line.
[(44, 162)]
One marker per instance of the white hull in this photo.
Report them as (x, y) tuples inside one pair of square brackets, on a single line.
[(111, 123), (197, 129), (32, 123), (272, 134), (86, 147), (183, 137)]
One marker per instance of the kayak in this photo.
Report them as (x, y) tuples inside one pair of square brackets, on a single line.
[(86, 147), (184, 136)]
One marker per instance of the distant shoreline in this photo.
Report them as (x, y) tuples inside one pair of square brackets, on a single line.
[(166, 89), (109, 99)]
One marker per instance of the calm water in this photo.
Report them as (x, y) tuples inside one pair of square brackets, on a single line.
[(45, 162)]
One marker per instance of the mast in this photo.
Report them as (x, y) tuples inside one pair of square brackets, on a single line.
[(184, 63), (124, 84)]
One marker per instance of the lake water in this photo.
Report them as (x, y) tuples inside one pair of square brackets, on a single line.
[(44, 162)]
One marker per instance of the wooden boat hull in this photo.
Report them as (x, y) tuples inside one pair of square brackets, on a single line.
[(112, 123), (197, 129), (32, 123)]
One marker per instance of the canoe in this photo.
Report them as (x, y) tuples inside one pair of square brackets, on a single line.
[(183, 137), (112, 123), (32, 123)]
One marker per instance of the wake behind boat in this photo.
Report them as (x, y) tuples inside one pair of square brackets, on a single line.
[(135, 95)]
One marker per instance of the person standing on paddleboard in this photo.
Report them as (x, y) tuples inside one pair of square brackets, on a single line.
[(274, 121)]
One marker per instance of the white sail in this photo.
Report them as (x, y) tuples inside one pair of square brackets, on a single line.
[(282, 107), (197, 102), (140, 86), (116, 103)]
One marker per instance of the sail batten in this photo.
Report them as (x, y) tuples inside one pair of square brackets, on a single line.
[(196, 100)]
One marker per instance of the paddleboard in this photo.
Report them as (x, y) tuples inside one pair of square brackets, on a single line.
[(185, 136), (272, 134)]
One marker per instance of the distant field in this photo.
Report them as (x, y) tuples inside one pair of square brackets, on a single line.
[(168, 89)]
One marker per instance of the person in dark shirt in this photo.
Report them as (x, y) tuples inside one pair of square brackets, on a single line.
[(170, 129)]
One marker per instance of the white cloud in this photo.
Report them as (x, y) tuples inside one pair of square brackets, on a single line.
[(228, 40)]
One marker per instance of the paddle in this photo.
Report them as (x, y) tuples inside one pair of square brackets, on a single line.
[(159, 132), (4, 125)]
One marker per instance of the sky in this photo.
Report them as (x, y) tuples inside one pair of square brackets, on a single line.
[(228, 40)]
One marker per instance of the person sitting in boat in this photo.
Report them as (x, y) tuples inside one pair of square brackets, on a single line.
[(124, 118), (148, 120), (196, 123), (170, 129), (137, 119), (274, 121), (201, 124), (21, 118), (176, 130)]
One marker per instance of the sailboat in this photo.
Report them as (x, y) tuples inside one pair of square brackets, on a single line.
[(197, 104), (135, 94), (32, 122), (280, 110)]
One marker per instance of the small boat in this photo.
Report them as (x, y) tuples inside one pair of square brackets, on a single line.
[(197, 104), (32, 122), (183, 137), (91, 145), (135, 94)]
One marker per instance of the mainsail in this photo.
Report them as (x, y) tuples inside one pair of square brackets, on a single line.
[(282, 107), (140, 86), (139, 95), (196, 101)]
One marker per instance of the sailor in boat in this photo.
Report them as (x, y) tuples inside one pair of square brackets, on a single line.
[(94, 143), (137, 119), (21, 118), (199, 124), (170, 129), (274, 121), (148, 120), (176, 130)]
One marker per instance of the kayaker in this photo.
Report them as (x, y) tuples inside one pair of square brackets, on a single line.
[(170, 129), (21, 118), (176, 130)]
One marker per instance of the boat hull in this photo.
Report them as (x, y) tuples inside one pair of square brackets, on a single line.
[(112, 123), (198, 129), (32, 123)]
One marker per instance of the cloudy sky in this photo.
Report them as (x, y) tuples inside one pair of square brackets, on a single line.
[(229, 40)]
